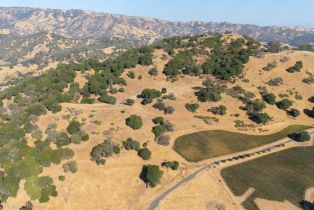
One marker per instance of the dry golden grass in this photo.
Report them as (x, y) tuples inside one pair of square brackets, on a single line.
[(117, 185)]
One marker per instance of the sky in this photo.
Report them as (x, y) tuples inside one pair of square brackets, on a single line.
[(259, 12)]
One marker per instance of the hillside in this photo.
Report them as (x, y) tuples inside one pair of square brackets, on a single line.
[(85, 24), (100, 134)]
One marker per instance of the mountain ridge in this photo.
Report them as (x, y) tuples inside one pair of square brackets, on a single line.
[(77, 23)]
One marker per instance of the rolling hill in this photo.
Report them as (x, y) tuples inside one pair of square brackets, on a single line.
[(98, 134)]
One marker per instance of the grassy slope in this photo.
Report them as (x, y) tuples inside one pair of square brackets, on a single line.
[(280, 176), (208, 144)]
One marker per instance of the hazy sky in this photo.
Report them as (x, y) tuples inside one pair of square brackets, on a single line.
[(261, 12)]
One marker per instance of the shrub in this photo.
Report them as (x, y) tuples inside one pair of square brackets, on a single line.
[(131, 74), (308, 80), (301, 136), (169, 110), (158, 130), (174, 165), (76, 139), (52, 105), (296, 68), (168, 126), (27, 206), (153, 71), (293, 112), (129, 102), (74, 127), (284, 104), (270, 66), (87, 100), (221, 110), (274, 47), (116, 149), (163, 140), (150, 94), (105, 98), (158, 120), (151, 175), (144, 153), (134, 121), (131, 144), (62, 139), (298, 97), (192, 107), (70, 166), (260, 118), (160, 105), (309, 112), (61, 178), (36, 109), (171, 96), (277, 81), (163, 90), (255, 106), (84, 137), (270, 98)]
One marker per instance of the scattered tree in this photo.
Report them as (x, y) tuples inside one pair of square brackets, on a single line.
[(144, 153), (192, 107), (151, 175), (221, 110), (131, 144), (134, 122), (300, 136), (284, 104)]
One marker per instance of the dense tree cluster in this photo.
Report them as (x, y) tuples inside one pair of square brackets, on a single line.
[(108, 73), (183, 62), (211, 92), (30, 98), (101, 151), (226, 62)]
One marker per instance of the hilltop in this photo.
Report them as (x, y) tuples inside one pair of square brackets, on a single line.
[(114, 128)]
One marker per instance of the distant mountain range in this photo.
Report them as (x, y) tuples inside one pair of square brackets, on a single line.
[(81, 24)]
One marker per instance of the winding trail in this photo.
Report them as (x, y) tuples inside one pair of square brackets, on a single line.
[(266, 149)]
